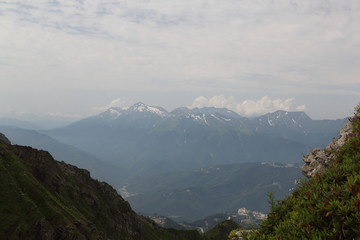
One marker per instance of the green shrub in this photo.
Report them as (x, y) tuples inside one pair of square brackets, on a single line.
[(324, 207)]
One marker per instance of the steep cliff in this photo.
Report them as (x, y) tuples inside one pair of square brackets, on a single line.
[(319, 160)]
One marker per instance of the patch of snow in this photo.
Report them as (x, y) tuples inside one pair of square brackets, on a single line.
[(198, 118), (221, 118), (227, 119), (271, 123), (295, 122), (204, 117), (114, 113), (156, 111), (212, 115), (140, 107)]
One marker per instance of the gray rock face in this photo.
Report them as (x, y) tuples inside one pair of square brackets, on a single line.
[(319, 159)]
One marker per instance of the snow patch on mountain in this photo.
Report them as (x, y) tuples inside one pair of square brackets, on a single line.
[(271, 123), (114, 113), (143, 108)]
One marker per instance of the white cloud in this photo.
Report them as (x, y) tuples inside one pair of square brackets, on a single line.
[(202, 46), (118, 103), (248, 108), (301, 108), (131, 44), (63, 115)]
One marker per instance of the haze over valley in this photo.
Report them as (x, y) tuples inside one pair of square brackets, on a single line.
[(123, 118), (189, 160)]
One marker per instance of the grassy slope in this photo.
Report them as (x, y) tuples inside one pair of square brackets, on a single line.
[(326, 206), (37, 202), (41, 198), (221, 231)]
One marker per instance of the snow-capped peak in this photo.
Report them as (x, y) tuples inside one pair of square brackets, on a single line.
[(284, 118), (141, 107)]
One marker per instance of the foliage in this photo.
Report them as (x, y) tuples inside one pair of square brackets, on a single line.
[(41, 198), (221, 231), (326, 206)]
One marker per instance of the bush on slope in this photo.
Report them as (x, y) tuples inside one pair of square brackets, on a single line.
[(326, 206)]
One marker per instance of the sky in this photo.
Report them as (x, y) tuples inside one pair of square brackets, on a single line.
[(75, 58)]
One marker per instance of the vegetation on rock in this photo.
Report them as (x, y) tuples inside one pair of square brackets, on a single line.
[(327, 206)]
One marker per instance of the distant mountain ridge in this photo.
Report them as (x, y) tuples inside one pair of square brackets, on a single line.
[(61, 152), (140, 107), (147, 139), (144, 144), (191, 195)]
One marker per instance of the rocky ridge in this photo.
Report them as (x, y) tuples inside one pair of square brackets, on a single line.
[(318, 160)]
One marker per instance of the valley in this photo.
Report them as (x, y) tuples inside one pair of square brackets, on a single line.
[(195, 162)]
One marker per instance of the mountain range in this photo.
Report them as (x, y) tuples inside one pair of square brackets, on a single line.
[(149, 155), (191, 195), (42, 198), (62, 152), (144, 139)]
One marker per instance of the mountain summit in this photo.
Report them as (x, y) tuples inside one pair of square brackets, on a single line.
[(143, 108)]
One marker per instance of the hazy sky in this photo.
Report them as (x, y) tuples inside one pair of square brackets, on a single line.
[(77, 57)]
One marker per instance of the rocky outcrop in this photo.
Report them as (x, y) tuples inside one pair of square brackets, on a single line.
[(319, 159), (4, 139)]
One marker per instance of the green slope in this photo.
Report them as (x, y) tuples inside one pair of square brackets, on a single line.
[(221, 231), (41, 198), (191, 195), (63, 152), (326, 206)]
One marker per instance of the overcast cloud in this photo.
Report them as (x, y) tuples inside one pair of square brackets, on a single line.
[(73, 56), (247, 108)]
